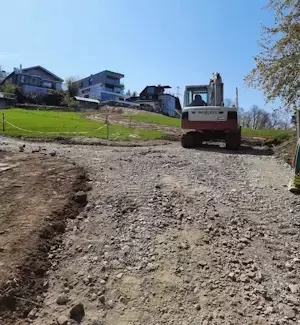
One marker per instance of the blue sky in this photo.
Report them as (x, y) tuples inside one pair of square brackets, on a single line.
[(174, 42)]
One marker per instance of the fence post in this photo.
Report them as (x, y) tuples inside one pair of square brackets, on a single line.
[(107, 131), (3, 122), (130, 121)]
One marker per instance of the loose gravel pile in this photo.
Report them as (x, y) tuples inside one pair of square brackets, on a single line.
[(176, 236)]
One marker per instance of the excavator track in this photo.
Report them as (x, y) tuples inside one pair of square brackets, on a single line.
[(191, 140)]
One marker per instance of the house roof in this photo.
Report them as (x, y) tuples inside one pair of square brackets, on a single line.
[(34, 67), (158, 86), (107, 72), (40, 67), (114, 74)]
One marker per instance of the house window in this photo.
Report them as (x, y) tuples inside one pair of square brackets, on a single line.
[(47, 84), (109, 89), (113, 81), (26, 79), (86, 90), (35, 81)]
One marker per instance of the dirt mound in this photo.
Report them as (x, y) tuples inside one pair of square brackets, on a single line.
[(36, 198), (286, 150)]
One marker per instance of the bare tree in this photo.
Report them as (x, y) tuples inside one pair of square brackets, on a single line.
[(255, 118), (228, 102), (246, 119), (265, 120)]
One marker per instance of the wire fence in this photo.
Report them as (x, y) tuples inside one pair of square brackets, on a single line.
[(6, 123), (52, 132), (110, 130)]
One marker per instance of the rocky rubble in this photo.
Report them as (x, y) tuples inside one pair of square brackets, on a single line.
[(174, 236)]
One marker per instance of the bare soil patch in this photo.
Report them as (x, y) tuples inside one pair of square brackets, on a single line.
[(101, 142), (36, 198), (118, 115)]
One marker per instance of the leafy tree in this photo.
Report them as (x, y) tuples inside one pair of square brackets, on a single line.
[(128, 93), (277, 70), (53, 98), (8, 87), (72, 86), (134, 94)]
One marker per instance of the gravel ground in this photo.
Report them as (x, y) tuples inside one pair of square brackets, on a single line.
[(177, 236)]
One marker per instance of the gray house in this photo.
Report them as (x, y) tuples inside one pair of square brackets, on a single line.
[(34, 80), (105, 85)]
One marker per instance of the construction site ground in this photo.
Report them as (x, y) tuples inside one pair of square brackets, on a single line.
[(36, 198), (168, 236)]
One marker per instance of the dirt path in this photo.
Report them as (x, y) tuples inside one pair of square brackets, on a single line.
[(175, 236)]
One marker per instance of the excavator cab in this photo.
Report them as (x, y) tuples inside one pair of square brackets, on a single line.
[(196, 96)]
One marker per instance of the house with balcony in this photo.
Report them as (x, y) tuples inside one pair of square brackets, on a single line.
[(34, 80), (105, 85), (161, 102)]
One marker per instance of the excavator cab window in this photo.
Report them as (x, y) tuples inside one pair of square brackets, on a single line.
[(196, 97)]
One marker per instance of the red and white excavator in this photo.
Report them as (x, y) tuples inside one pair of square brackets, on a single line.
[(204, 116)]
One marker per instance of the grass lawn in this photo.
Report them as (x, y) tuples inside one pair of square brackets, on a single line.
[(41, 123), (278, 135)]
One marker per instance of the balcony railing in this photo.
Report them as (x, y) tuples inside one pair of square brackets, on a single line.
[(116, 82), (113, 91)]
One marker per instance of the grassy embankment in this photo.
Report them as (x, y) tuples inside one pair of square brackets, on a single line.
[(39, 123)]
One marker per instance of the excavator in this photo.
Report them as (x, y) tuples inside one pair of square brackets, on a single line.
[(204, 116)]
